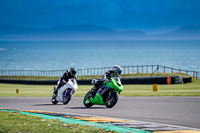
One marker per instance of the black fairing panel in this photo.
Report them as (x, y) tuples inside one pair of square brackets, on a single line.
[(103, 90)]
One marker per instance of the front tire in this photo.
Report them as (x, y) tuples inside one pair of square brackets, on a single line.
[(67, 98), (110, 102), (86, 101)]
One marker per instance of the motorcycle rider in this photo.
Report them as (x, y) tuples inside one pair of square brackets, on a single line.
[(71, 73), (117, 70)]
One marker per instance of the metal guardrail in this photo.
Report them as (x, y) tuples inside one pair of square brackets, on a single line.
[(100, 71)]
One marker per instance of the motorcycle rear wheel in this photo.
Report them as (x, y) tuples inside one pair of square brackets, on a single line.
[(86, 101), (67, 98), (110, 102)]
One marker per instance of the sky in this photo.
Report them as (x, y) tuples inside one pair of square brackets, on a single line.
[(151, 16)]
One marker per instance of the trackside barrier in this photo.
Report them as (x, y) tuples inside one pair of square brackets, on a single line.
[(100, 71), (132, 80)]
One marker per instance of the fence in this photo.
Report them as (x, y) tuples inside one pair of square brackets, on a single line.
[(100, 71)]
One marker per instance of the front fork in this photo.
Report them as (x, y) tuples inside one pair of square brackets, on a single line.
[(67, 92), (111, 92)]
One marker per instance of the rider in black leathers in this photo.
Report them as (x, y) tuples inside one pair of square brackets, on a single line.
[(71, 73)]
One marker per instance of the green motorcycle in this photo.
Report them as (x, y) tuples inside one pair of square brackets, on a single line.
[(106, 95)]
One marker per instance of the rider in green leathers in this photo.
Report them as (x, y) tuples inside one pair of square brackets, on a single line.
[(117, 70)]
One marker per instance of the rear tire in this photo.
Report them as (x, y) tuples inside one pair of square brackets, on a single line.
[(67, 98), (86, 101), (112, 101)]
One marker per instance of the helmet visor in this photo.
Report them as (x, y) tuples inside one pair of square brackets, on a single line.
[(73, 72), (118, 72)]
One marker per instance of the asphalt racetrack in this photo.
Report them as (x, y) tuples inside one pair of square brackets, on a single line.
[(179, 111)]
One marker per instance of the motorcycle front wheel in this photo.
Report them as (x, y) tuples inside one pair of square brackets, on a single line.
[(66, 98), (86, 100), (111, 101)]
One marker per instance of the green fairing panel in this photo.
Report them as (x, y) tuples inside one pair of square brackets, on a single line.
[(98, 99), (115, 85)]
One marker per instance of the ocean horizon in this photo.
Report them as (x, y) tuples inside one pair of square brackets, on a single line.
[(61, 55)]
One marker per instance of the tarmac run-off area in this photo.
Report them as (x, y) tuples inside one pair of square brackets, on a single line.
[(130, 114)]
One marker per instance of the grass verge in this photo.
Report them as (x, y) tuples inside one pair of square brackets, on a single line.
[(14, 122), (190, 89)]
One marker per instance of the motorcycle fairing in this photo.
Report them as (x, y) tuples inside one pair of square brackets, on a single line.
[(104, 88), (98, 99), (71, 85)]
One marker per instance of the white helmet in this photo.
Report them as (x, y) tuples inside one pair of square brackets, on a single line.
[(117, 70)]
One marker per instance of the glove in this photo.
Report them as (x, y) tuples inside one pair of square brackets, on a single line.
[(106, 80)]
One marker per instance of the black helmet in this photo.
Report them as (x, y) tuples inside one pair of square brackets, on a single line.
[(73, 71)]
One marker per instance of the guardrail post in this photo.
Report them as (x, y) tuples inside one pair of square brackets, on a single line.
[(157, 68), (164, 69), (193, 74), (142, 69), (128, 69)]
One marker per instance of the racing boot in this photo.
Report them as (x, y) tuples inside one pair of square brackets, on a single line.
[(92, 92), (55, 91)]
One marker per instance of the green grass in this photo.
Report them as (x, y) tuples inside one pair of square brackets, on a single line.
[(14, 122), (163, 90), (190, 89), (9, 90)]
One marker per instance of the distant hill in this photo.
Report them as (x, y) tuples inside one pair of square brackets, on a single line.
[(187, 32), (63, 32), (82, 28), (91, 32)]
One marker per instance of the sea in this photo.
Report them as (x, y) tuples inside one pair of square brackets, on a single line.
[(61, 55)]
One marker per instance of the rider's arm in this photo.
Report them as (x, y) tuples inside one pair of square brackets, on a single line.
[(106, 75), (65, 76)]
